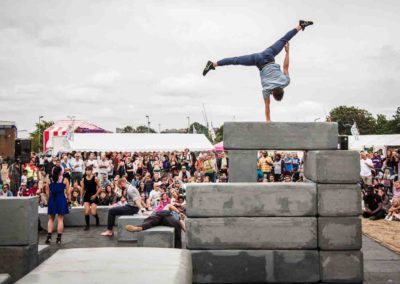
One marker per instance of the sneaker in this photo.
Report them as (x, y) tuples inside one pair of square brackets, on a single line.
[(303, 24), (209, 66), (131, 228)]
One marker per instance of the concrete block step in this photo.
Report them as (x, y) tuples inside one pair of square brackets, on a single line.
[(332, 166), (124, 235), (251, 199), (19, 221), (339, 233), (252, 233), (341, 266), (114, 265), (18, 260), (339, 200), (255, 266), (157, 237), (280, 135), (76, 217)]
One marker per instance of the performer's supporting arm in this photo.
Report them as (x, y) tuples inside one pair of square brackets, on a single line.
[(267, 102), (286, 61)]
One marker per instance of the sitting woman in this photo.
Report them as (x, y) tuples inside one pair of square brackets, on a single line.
[(165, 205), (394, 211)]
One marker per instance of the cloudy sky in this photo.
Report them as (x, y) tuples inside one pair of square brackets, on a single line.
[(113, 62)]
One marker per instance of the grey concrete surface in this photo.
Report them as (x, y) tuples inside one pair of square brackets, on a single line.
[(5, 278), (251, 200), (114, 265), (252, 233), (19, 219), (18, 260), (43, 253), (331, 166), (76, 217), (242, 166), (341, 266), (157, 237), (280, 135), (339, 233), (250, 266), (124, 235), (381, 265), (339, 200)]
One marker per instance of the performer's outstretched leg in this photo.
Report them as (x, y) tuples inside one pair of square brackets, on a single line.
[(262, 58)]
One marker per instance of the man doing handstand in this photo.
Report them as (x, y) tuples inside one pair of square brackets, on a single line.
[(272, 79)]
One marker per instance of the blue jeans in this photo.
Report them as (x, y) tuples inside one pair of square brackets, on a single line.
[(262, 58)]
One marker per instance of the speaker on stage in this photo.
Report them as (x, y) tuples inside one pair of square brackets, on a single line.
[(23, 150), (343, 142)]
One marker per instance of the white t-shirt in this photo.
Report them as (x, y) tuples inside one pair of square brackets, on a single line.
[(154, 195), (365, 170)]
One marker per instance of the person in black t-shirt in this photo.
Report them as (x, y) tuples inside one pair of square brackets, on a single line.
[(373, 207)]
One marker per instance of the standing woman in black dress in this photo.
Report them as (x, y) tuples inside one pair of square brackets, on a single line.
[(90, 190)]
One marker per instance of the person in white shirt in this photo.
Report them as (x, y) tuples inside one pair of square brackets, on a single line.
[(104, 166), (92, 162), (366, 167), (77, 167), (154, 196)]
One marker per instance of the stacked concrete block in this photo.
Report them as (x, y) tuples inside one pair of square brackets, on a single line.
[(244, 232), (135, 220), (76, 217), (339, 226), (157, 237), (253, 233), (19, 236)]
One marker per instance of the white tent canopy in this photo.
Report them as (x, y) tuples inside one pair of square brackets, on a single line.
[(133, 142), (375, 141)]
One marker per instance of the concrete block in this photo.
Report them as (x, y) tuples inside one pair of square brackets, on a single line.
[(18, 260), (255, 266), (251, 199), (332, 166), (76, 217), (114, 265), (242, 166), (280, 135), (157, 237), (124, 235), (43, 253), (339, 233), (252, 233), (19, 221), (341, 266), (5, 278), (339, 200)]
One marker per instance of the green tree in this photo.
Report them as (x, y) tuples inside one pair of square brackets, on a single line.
[(128, 129), (200, 129), (395, 122), (34, 136), (144, 129), (219, 134), (346, 116), (383, 125)]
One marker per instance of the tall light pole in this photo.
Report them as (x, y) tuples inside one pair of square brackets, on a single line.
[(40, 133), (159, 128), (188, 118), (148, 123)]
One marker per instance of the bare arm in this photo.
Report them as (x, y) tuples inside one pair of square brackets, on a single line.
[(286, 61), (267, 102)]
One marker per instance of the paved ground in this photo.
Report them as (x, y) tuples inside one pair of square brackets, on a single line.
[(381, 265)]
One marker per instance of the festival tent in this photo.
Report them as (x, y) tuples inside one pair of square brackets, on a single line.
[(138, 142), (219, 147), (377, 142), (61, 128)]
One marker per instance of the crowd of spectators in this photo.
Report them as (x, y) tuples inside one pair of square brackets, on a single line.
[(380, 185), (155, 173)]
